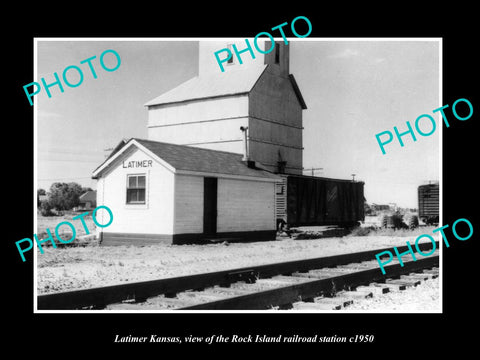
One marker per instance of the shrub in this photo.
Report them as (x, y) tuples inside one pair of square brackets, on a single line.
[(362, 231), (46, 209), (397, 220), (394, 221), (63, 196)]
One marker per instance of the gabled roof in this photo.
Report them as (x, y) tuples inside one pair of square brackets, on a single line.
[(118, 147), (90, 195), (234, 82), (296, 89), (188, 159)]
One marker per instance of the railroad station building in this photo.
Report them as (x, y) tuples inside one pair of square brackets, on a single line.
[(208, 170)]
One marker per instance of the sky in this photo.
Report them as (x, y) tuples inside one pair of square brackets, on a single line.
[(353, 89)]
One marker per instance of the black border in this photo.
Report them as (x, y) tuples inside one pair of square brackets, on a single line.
[(84, 332)]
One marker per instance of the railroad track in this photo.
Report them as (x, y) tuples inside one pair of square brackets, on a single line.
[(312, 284)]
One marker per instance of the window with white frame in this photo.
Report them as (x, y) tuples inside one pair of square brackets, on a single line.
[(136, 185)]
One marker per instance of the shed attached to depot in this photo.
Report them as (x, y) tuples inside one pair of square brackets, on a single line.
[(161, 192)]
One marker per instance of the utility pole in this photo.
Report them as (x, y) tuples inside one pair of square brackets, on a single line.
[(313, 170)]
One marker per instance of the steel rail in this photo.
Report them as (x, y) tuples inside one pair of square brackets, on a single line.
[(99, 297), (310, 289)]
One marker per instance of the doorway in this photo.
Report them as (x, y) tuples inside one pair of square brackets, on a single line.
[(210, 186)]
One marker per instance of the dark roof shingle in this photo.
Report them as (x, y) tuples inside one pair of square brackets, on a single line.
[(213, 85), (189, 158), (90, 195)]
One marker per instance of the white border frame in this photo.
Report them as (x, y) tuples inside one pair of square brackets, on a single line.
[(35, 293)]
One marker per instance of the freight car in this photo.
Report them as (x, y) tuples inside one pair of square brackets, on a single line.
[(312, 201), (428, 203)]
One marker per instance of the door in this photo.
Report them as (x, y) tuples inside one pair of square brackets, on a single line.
[(210, 205)]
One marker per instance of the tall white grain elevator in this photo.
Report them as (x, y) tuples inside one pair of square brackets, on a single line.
[(209, 110)]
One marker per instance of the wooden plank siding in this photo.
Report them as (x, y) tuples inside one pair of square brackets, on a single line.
[(275, 123), (210, 123), (245, 205), (174, 208), (156, 215), (188, 204), (196, 110)]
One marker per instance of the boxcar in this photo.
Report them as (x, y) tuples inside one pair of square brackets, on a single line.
[(310, 201), (428, 203)]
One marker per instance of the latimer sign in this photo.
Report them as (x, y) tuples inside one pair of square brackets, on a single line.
[(137, 164)]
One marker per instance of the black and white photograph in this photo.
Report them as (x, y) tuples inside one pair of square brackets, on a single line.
[(259, 177), (283, 179)]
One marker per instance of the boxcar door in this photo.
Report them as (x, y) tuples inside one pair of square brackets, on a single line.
[(210, 186)]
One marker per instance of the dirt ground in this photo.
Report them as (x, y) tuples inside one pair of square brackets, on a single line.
[(61, 269), (50, 222), (72, 268), (422, 298)]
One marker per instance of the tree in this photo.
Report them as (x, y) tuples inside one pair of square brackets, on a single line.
[(46, 209), (64, 196)]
